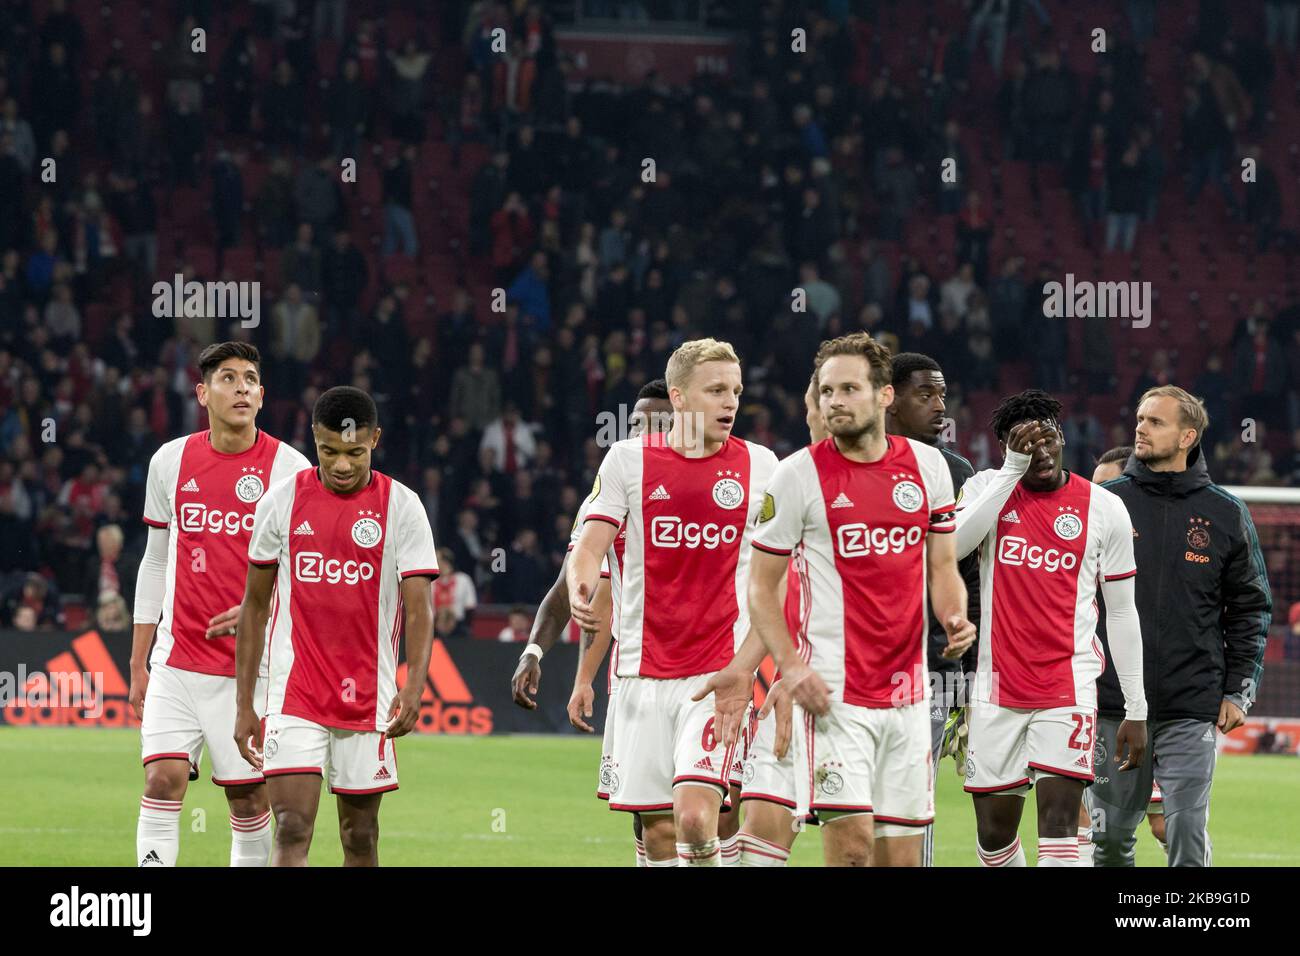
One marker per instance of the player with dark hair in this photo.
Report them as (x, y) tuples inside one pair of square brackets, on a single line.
[(874, 515), (917, 412), (199, 499), (1111, 463), (652, 412), (348, 554), (1045, 537)]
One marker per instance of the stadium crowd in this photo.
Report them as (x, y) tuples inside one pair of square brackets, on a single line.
[(799, 169)]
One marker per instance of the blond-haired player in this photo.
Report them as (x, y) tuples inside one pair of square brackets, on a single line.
[(690, 499)]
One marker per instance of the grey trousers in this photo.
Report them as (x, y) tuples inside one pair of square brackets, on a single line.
[(938, 718), (1180, 757)]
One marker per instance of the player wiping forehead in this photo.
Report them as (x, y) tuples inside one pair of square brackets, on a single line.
[(199, 500), (652, 412), (689, 499), (1044, 537)]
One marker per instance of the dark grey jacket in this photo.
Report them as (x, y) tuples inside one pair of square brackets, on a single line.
[(1202, 594)]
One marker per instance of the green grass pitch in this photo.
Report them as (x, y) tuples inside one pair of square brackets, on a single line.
[(69, 797)]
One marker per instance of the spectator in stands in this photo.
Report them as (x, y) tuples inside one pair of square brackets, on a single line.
[(283, 108), (344, 278), (1259, 376), (296, 339), (454, 592), (317, 199), (518, 625), (32, 598), (823, 298), (525, 575), (111, 613), (349, 111), (406, 101), (1125, 199), (510, 440), (475, 391)]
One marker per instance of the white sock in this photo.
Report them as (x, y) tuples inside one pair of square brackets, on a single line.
[(1012, 855), (755, 851), (158, 834), (671, 861), (708, 853), (730, 850), (640, 852), (250, 843), (1058, 851), (1085, 846)]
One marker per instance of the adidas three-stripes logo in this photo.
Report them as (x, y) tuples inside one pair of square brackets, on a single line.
[(304, 528)]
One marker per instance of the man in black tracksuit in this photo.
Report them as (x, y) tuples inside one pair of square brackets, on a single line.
[(1205, 607), (917, 412)]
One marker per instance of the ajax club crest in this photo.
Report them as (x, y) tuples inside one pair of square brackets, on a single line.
[(249, 487), (908, 497), (1067, 526), (727, 491), (366, 532)]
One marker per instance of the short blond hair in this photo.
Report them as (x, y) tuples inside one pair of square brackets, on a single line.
[(696, 352), (1191, 410)]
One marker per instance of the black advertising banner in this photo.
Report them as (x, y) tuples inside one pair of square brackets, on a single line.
[(61, 679)]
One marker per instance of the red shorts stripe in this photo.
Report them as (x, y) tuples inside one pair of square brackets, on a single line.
[(841, 808), (362, 793), (768, 798), (715, 781), (152, 757), (999, 788), (642, 808), (238, 783), (904, 822), (1072, 774), (285, 771)]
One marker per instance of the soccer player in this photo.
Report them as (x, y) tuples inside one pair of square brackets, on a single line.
[(768, 787), (348, 555), (689, 499), (652, 412), (874, 513), (1044, 538), (199, 499), (917, 412)]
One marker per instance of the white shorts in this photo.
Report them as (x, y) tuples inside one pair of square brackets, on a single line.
[(766, 777), (662, 740), (1011, 749), (748, 727), (607, 746), (184, 710), (360, 761), (867, 760)]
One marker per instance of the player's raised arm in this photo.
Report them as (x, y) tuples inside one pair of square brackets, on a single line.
[(594, 647), (150, 589), (976, 516)]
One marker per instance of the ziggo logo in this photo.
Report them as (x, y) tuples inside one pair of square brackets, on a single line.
[(197, 518), (856, 540), (1019, 551), (312, 566), (670, 532)]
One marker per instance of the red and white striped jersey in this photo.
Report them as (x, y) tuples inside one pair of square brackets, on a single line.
[(863, 527), (1039, 568), (337, 612), (797, 601), (206, 501), (685, 564)]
